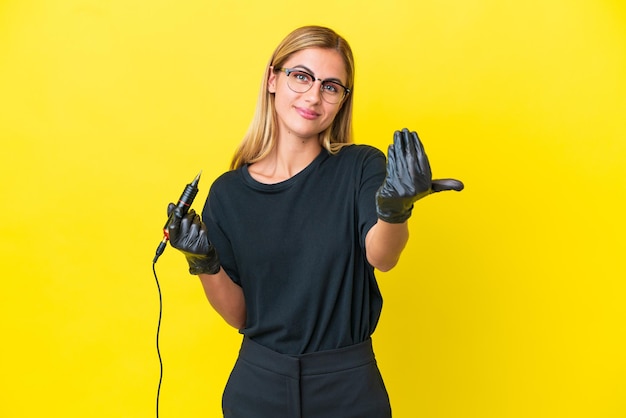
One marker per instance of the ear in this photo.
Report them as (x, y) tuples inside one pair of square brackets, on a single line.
[(271, 80)]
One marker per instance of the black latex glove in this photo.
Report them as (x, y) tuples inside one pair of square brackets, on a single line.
[(188, 234), (408, 178)]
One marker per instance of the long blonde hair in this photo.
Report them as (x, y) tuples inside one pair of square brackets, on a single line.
[(260, 138)]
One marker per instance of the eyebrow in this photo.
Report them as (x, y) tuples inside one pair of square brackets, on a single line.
[(307, 69)]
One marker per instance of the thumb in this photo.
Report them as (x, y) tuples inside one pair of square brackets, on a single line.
[(170, 209), (442, 185)]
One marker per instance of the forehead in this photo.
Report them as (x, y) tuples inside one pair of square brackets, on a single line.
[(325, 63)]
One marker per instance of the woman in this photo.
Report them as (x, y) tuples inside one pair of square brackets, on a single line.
[(291, 235)]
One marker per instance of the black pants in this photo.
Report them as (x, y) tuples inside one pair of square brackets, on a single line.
[(342, 383)]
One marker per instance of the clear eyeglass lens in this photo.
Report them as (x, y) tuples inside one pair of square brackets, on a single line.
[(301, 82)]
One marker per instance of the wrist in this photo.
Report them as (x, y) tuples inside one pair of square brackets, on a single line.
[(204, 264), (395, 214)]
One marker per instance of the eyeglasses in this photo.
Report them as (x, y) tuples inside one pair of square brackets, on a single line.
[(300, 82)]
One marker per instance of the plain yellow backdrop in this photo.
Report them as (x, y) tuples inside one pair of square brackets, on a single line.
[(509, 300)]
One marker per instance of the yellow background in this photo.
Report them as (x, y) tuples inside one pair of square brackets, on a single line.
[(510, 298)]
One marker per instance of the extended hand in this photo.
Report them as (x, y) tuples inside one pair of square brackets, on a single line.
[(408, 178), (188, 234)]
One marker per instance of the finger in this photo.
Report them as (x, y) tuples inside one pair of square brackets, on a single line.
[(179, 212), (186, 222), (391, 160), (173, 226), (411, 154), (407, 146), (198, 240), (400, 144), (170, 209), (441, 185), (422, 158), (196, 223), (203, 229)]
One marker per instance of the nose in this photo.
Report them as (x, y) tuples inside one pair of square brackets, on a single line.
[(315, 92)]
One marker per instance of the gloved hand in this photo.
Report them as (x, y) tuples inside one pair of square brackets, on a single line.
[(408, 178), (188, 234)]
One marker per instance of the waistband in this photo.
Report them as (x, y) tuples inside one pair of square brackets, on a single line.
[(321, 362)]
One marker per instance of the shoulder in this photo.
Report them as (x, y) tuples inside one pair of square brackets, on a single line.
[(228, 177), (226, 181), (357, 161), (365, 154), (223, 190), (361, 151)]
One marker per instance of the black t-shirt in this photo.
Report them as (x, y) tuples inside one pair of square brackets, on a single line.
[(297, 248)]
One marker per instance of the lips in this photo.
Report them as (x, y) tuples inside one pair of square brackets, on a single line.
[(307, 113)]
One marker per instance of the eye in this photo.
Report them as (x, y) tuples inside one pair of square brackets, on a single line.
[(332, 88), (302, 77)]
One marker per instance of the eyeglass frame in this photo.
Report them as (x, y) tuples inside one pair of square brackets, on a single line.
[(288, 71)]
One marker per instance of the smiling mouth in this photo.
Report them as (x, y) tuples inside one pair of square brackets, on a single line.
[(307, 114)]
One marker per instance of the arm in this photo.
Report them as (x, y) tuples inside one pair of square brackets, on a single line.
[(226, 297), (188, 234), (384, 243)]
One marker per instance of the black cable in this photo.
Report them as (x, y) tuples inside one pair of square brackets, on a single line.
[(185, 201), (158, 395)]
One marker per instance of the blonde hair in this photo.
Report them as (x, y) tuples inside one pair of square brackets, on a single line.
[(260, 138)]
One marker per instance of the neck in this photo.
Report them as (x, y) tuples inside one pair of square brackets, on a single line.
[(286, 160)]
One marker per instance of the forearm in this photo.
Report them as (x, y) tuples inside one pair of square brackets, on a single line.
[(226, 297), (384, 244)]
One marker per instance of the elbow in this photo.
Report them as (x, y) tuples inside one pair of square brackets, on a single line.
[(238, 325), (237, 321), (385, 268), (383, 265)]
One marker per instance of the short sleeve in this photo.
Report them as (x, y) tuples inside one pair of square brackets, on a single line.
[(371, 178), (211, 215)]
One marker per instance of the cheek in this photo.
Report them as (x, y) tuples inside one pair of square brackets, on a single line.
[(332, 113), (281, 100), (328, 120), (282, 93)]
